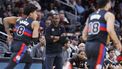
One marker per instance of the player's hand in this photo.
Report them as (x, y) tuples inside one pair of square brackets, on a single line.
[(9, 37), (119, 46)]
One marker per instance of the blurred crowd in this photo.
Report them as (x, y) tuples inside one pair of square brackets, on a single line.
[(73, 14)]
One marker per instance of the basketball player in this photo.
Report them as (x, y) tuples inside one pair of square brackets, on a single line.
[(26, 28), (99, 27)]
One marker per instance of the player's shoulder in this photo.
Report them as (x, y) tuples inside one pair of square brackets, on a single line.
[(35, 22), (109, 14)]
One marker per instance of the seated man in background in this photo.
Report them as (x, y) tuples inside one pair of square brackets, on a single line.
[(79, 60)]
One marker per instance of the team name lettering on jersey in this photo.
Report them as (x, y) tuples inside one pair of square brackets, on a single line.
[(24, 22), (97, 16)]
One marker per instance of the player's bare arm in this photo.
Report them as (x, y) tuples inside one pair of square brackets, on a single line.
[(7, 22), (110, 18), (85, 31), (35, 27), (35, 34)]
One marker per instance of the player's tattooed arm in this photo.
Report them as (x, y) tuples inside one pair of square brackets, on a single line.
[(85, 31), (110, 18)]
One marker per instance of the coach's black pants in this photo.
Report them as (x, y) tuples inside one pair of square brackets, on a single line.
[(19, 54), (95, 52)]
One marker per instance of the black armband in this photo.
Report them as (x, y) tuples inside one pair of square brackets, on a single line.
[(35, 41)]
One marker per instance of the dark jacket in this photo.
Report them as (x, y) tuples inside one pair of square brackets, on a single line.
[(52, 47)]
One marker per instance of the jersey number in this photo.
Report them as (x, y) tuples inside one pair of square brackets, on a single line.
[(20, 30), (94, 28)]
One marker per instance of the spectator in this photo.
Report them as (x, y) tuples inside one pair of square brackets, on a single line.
[(8, 12), (1, 11), (3, 49), (73, 46), (66, 53), (47, 23), (80, 9), (79, 60), (38, 51), (119, 58), (72, 2), (111, 61), (64, 21), (81, 47), (120, 6), (35, 2), (54, 43)]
